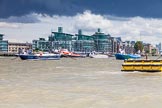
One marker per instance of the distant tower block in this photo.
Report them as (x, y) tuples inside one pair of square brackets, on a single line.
[(99, 30), (1, 37), (60, 29), (80, 32)]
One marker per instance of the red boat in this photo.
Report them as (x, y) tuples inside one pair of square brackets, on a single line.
[(66, 53)]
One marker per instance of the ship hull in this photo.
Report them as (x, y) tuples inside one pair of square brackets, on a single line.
[(126, 56), (40, 57)]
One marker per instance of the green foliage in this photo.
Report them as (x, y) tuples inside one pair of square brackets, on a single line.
[(138, 46), (36, 50), (147, 51), (153, 51)]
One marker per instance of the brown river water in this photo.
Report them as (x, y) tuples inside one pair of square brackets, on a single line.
[(76, 83)]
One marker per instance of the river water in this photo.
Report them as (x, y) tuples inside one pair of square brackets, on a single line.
[(76, 83)]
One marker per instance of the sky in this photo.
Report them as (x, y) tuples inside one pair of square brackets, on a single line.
[(25, 20)]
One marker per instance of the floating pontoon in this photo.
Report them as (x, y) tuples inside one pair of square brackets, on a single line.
[(142, 65)]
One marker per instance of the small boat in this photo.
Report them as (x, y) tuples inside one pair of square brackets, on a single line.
[(111, 55), (120, 56), (66, 53), (98, 56), (41, 56)]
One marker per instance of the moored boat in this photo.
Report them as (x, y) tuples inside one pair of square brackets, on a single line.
[(98, 56), (41, 56), (66, 53), (120, 56)]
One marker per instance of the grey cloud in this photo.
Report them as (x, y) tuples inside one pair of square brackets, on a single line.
[(22, 19), (22, 7), (126, 8)]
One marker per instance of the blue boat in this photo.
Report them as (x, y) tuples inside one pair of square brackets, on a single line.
[(120, 56), (45, 56)]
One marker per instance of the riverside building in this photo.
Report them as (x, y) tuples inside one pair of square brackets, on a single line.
[(98, 42), (60, 40), (103, 42), (114, 45), (84, 43), (41, 44), (15, 47), (3, 44)]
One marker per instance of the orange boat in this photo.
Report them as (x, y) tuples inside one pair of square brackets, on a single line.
[(66, 53)]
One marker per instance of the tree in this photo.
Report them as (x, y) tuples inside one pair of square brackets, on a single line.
[(36, 50), (153, 52), (147, 51), (138, 46)]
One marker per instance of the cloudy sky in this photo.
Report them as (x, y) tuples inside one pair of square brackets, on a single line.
[(25, 20)]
